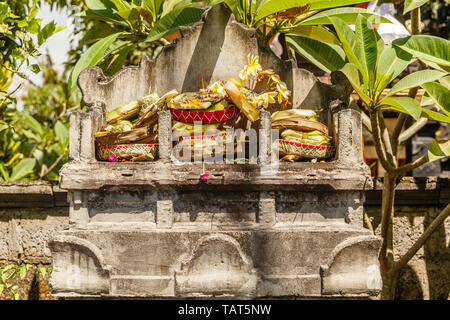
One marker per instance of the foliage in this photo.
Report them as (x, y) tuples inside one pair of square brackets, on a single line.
[(371, 66), (12, 271), (120, 31), (18, 23), (305, 18), (34, 143)]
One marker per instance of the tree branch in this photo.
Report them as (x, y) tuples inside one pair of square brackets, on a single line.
[(423, 238), (412, 165), (386, 139), (61, 156), (412, 130), (364, 117), (387, 213), (378, 142)]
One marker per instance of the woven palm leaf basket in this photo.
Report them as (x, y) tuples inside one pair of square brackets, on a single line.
[(129, 151), (286, 147)]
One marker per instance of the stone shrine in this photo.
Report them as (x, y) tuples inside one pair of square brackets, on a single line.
[(153, 229)]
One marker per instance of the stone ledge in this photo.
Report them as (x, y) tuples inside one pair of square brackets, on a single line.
[(410, 191)]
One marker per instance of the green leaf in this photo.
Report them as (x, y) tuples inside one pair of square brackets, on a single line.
[(16, 295), (428, 48), (391, 63), (405, 105), (349, 42), (416, 79), (46, 32), (412, 4), (22, 169), (91, 57), (154, 6), (22, 272), (353, 75), (62, 134), (325, 4), (43, 271), (4, 11), (368, 48), (316, 33), (4, 173), (34, 26), (99, 31), (116, 61), (440, 94), (274, 6), (214, 2), (174, 19), (433, 115), (348, 15), (102, 9), (33, 124), (1, 288), (121, 5), (325, 56), (438, 149), (35, 68)]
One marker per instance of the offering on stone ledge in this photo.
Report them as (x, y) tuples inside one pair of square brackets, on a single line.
[(302, 135), (131, 130)]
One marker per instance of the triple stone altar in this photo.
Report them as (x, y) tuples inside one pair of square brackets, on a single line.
[(154, 230)]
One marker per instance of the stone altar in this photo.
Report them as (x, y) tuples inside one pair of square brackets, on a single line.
[(152, 229)]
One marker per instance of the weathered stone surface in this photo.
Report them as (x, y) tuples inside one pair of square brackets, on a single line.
[(184, 263), (353, 267), (425, 277), (25, 233)]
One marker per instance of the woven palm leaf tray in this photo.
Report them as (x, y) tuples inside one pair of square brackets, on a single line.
[(286, 147), (205, 117), (128, 151)]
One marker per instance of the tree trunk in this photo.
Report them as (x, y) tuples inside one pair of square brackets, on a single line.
[(386, 256), (389, 285)]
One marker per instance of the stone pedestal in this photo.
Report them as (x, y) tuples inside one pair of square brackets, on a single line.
[(266, 229)]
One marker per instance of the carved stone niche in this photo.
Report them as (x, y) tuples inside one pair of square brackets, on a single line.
[(152, 229)]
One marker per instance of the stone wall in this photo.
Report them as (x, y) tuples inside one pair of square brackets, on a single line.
[(32, 212)]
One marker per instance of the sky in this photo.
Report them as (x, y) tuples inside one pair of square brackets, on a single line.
[(59, 44)]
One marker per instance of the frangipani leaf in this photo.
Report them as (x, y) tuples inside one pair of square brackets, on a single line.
[(391, 63), (316, 33), (172, 20), (416, 79), (405, 105), (368, 50), (440, 94), (325, 56), (348, 15), (353, 75), (433, 115), (427, 48), (91, 57), (274, 6), (349, 42), (438, 149), (325, 4), (412, 4)]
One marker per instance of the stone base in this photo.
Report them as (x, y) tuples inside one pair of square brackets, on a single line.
[(304, 261)]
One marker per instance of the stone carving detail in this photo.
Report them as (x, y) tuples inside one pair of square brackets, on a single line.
[(78, 268), (217, 266), (353, 268)]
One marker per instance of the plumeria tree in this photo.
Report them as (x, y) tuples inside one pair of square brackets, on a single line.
[(371, 66)]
